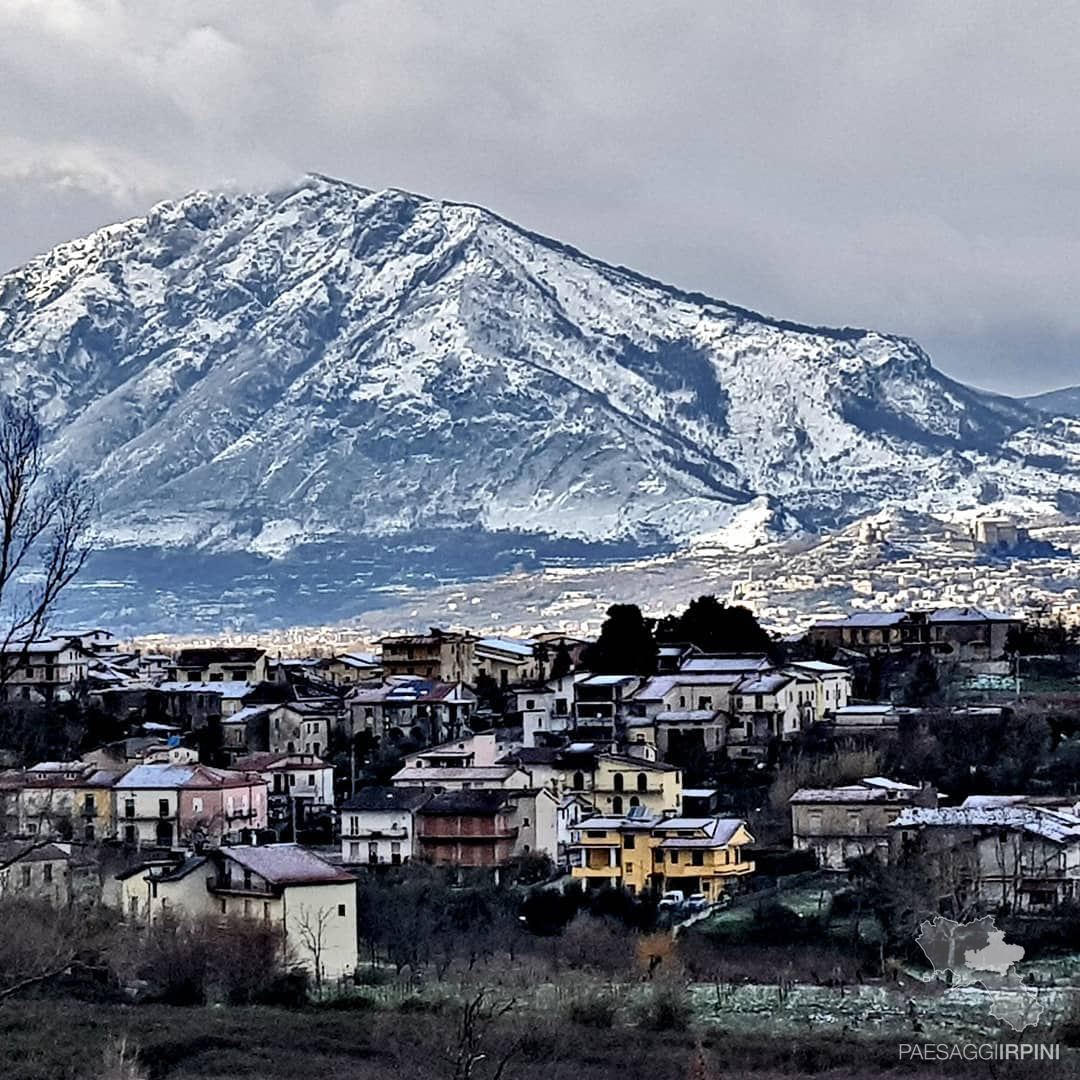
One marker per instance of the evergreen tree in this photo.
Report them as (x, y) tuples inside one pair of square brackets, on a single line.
[(714, 627), (626, 645), (562, 664)]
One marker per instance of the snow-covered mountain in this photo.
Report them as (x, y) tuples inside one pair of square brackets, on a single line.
[(263, 372)]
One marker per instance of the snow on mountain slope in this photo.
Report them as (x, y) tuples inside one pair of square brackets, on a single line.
[(259, 371)]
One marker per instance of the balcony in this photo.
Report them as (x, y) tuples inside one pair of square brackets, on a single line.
[(232, 887), (377, 834), (486, 837)]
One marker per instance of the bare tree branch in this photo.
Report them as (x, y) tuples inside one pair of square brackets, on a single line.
[(44, 525)]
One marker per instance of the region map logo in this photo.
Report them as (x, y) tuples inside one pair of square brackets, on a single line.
[(976, 954)]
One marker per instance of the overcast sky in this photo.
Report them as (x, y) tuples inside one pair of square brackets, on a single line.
[(911, 167)]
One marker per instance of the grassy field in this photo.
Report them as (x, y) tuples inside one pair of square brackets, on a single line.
[(67, 1040)]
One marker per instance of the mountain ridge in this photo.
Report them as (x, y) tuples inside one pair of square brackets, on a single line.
[(265, 372)]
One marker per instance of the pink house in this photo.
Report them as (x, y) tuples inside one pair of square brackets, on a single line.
[(217, 802), (169, 805)]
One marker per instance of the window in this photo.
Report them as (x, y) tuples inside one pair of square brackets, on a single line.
[(634, 801), (292, 777), (354, 825), (266, 911), (373, 852), (682, 702), (530, 703), (629, 841), (163, 807), (579, 781), (674, 856), (596, 834), (224, 906), (129, 807), (129, 834), (196, 806), (133, 905), (354, 851), (698, 858), (618, 782), (46, 873), (629, 868), (395, 853), (247, 909), (247, 879), (642, 782), (616, 805), (311, 779), (27, 873), (341, 911)]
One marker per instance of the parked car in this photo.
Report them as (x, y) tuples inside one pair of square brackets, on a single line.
[(697, 901), (673, 899)]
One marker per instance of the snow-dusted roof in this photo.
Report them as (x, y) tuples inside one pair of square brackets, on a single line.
[(718, 832), (661, 685), (231, 690), (868, 619), (287, 864), (969, 614), (165, 775), (888, 785), (820, 667), (688, 716), (437, 775), (249, 712), (359, 660), (1058, 826), (612, 823), (872, 789), (402, 691), (763, 684), (719, 665), (523, 649), (607, 680)]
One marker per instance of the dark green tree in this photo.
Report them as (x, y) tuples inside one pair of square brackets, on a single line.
[(626, 645), (562, 663), (714, 627)]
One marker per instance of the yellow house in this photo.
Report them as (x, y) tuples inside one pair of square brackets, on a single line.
[(642, 853), (618, 783), (701, 855)]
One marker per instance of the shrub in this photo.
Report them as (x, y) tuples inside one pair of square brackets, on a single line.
[(667, 1008), (593, 1008)]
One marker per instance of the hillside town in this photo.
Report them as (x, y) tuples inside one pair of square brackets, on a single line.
[(649, 762)]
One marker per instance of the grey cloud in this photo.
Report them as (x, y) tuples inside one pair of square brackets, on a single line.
[(911, 167)]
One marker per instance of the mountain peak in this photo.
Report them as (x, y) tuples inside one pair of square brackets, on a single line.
[(322, 361)]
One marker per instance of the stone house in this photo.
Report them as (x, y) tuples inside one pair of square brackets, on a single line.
[(843, 823)]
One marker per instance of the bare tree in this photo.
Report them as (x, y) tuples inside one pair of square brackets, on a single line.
[(38, 943), (469, 1053), (311, 927), (44, 525)]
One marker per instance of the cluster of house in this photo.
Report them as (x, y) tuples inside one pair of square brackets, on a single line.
[(584, 768), (1015, 853)]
